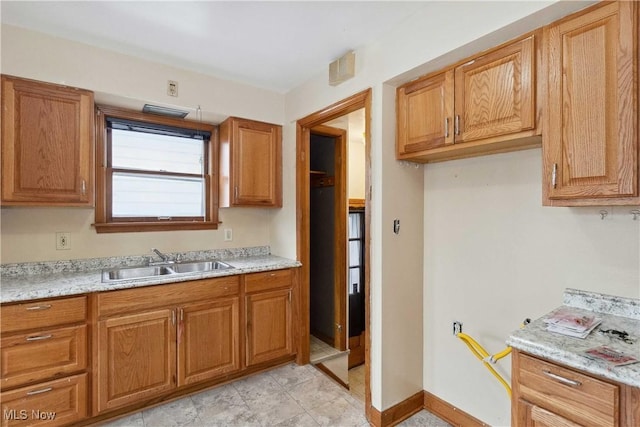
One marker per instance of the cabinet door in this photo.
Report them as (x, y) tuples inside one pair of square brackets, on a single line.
[(269, 333), (256, 164), (136, 357), (55, 403), (495, 93), (47, 144), (208, 340), (590, 140), (425, 114)]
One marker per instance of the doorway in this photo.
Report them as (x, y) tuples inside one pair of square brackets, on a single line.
[(317, 124)]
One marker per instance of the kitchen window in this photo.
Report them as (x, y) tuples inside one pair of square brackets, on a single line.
[(154, 173)]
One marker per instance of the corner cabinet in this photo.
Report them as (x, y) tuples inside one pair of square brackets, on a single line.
[(549, 395), (590, 140), (250, 163), (483, 105), (47, 144)]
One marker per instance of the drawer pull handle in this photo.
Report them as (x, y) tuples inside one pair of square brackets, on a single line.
[(39, 337), (563, 380), (42, 390), (39, 307)]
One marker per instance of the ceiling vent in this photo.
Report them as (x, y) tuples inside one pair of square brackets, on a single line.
[(342, 69)]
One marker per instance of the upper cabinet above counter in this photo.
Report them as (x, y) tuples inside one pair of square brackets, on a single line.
[(49, 149), (47, 144), (571, 86), (482, 105), (590, 137)]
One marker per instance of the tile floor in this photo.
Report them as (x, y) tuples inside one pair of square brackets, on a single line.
[(291, 395)]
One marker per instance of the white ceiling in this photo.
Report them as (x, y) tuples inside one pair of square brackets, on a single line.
[(270, 44)]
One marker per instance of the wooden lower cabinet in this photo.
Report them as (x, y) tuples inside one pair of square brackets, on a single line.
[(54, 403), (269, 326), (136, 357), (549, 395), (208, 340)]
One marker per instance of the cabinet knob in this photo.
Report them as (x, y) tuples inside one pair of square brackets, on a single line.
[(84, 187), (456, 125), (446, 127)]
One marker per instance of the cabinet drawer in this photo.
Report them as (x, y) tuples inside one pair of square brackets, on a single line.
[(258, 282), (27, 358), (60, 402), (129, 300), (574, 396), (43, 314)]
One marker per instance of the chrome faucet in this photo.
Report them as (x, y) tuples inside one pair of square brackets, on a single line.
[(163, 257)]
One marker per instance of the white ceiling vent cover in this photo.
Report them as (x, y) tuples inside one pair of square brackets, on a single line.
[(342, 69)]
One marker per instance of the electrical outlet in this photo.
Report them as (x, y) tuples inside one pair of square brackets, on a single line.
[(172, 88), (457, 328), (63, 241), (228, 234)]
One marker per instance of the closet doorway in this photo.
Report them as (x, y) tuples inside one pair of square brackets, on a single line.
[(333, 238)]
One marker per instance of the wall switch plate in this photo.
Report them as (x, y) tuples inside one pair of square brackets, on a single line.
[(228, 235), (63, 241)]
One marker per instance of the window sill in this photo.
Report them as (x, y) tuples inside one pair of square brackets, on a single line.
[(132, 227)]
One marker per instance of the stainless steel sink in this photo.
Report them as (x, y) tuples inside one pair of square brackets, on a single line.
[(191, 267), (146, 272), (130, 273)]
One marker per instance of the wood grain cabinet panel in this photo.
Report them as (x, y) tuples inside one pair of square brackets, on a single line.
[(208, 340), (47, 144), (425, 114), (136, 357), (250, 163), (590, 146), (269, 326), (26, 358), (495, 94), (42, 314), (549, 395), (55, 403), (486, 104)]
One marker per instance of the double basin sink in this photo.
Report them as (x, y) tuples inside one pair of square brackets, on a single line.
[(146, 272)]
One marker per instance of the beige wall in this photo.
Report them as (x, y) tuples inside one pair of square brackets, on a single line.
[(494, 256), (28, 234)]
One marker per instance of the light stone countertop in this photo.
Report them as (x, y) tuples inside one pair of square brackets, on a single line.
[(22, 282), (618, 313)]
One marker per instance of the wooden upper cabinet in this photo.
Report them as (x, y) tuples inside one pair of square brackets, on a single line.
[(495, 93), (590, 144), (47, 144), (484, 105), (250, 163), (425, 114)]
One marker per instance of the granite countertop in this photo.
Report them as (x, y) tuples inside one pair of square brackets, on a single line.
[(27, 281), (622, 314)]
